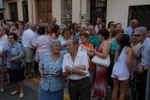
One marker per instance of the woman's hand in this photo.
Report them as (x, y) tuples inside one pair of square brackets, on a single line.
[(58, 73), (11, 59), (42, 75), (94, 51), (69, 69)]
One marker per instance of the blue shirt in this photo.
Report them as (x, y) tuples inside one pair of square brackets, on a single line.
[(13, 51), (128, 30), (145, 54), (48, 65)]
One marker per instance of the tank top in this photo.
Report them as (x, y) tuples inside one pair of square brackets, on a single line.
[(120, 68)]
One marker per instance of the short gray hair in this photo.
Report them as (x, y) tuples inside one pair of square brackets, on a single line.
[(141, 30), (74, 41), (54, 41)]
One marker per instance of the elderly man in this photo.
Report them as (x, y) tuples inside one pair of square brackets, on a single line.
[(27, 40), (133, 24), (141, 34), (3, 42), (93, 38), (75, 65)]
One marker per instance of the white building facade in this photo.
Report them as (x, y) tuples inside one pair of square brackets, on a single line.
[(75, 10), (118, 10)]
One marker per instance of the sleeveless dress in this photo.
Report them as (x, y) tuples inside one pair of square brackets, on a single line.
[(99, 89), (120, 68)]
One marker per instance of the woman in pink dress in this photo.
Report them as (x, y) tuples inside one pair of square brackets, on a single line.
[(102, 51), (41, 46)]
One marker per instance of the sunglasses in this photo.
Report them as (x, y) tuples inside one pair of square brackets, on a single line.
[(135, 35)]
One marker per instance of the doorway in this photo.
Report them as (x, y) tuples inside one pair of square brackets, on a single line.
[(44, 10)]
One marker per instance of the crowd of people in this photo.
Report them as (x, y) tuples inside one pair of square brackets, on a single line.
[(58, 53)]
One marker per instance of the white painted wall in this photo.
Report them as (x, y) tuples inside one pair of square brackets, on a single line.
[(117, 10), (80, 8), (20, 12), (1, 4), (76, 7), (56, 10), (88, 9)]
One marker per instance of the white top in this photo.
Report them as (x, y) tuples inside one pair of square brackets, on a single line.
[(27, 38), (120, 67), (3, 42), (96, 29), (81, 59), (42, 45)]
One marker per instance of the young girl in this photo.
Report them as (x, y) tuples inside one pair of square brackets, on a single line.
[(122, 69)]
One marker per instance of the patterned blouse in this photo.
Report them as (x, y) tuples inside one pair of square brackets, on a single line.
[(13, 51), (49, 66)]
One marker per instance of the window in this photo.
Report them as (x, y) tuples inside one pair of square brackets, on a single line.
[(141, 13), (66, 11), (13, 11)]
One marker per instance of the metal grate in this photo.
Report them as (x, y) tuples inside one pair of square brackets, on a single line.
[(98, 9), (66, 11)]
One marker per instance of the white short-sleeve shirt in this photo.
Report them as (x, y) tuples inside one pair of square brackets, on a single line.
[(81, 59)]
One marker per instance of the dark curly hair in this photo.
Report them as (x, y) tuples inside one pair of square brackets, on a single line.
[(125, 41), (14, 36), (104, 33)]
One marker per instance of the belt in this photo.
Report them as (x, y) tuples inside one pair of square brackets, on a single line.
[(73, 80)]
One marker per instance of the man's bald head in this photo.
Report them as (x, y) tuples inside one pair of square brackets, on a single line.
[(32, 26), (134, 23)]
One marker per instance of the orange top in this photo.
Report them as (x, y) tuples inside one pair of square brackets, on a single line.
[(89, 46)]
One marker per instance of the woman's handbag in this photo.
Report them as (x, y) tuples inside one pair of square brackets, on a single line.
[(101, 61)]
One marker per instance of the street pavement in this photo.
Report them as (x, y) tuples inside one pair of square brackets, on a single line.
[(30, 92)]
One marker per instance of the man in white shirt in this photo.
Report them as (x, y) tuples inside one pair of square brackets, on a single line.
[(3, 42), (27, 39), (75, 66)]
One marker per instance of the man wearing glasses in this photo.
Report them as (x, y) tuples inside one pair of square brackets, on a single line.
[(140, 34)]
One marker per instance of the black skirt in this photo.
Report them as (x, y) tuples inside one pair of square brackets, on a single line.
[(17, 75)]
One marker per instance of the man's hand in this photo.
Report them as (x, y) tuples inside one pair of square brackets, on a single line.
[(69, 69), (140, 68)]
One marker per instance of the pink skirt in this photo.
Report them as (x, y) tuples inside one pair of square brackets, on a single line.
[(99, 89)]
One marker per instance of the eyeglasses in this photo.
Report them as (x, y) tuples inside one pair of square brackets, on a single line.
[(135, 35)]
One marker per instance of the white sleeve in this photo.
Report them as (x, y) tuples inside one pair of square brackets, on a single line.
[(64, 64), (85, 60)]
